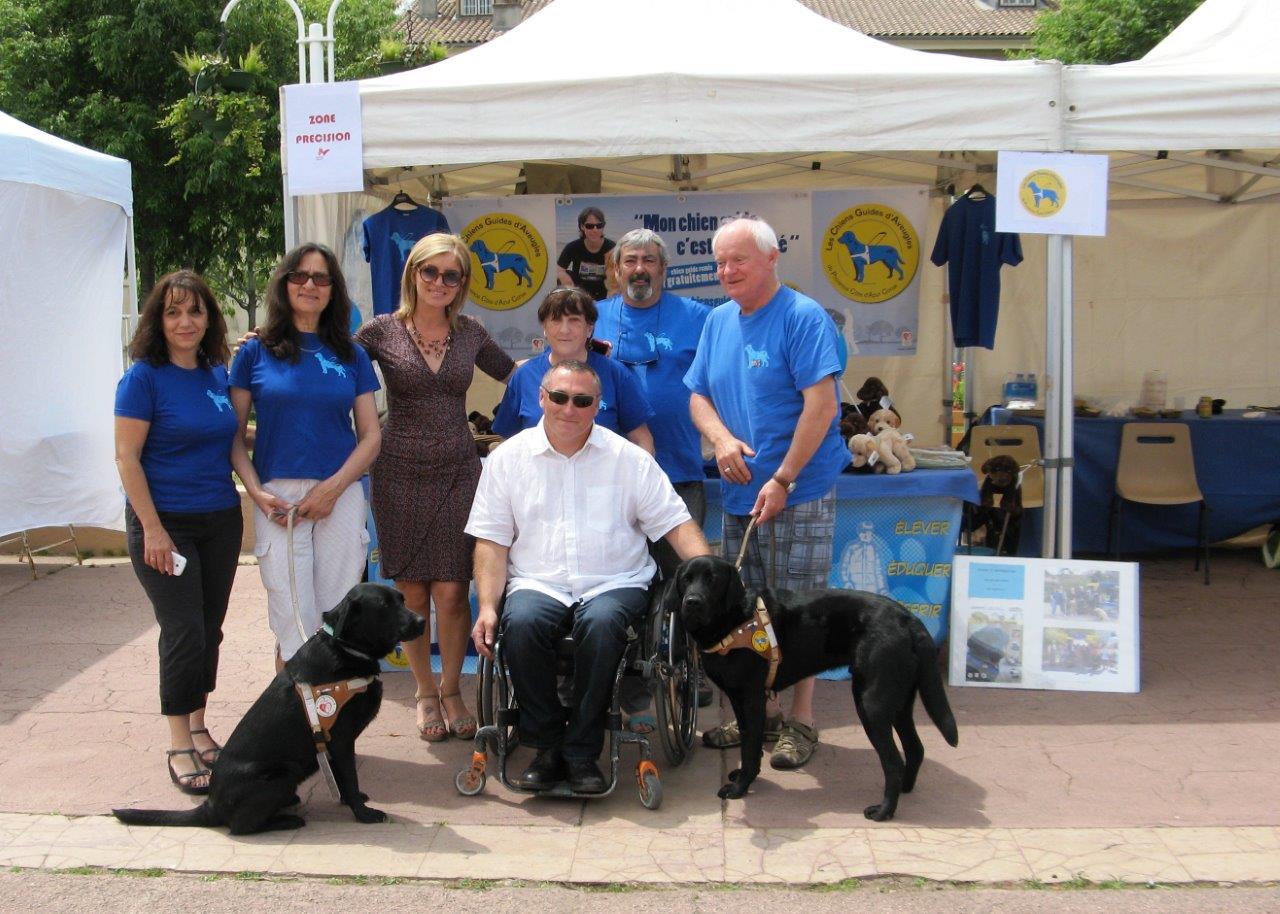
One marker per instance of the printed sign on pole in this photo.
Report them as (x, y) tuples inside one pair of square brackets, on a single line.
[(1056, 193), (323, 144)]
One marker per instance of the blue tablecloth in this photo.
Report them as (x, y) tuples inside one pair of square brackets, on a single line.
[(1235, 467), (895, 535)]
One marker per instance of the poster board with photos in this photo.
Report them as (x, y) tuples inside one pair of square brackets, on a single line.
[(1044, 624)]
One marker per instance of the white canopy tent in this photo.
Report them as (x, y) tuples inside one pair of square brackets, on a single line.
[(66, 249)]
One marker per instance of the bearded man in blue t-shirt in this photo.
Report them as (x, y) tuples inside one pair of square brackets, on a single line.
[(763, 388)]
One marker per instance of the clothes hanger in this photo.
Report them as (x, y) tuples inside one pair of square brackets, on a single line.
[(977, 192), (402, 198)]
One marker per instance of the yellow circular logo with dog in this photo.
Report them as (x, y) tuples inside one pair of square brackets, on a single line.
[(1043, 193), (397, 658), (870, 253), (760, 641), (508, 260)]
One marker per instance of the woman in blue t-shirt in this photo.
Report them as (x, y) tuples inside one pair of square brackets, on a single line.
[(305, 379), (176, 443), (568, 316)]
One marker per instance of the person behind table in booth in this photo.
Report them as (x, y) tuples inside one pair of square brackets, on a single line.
[(561, 518), (582, 261), (568, 317), (425, 476), (306, 379), (175, 444)]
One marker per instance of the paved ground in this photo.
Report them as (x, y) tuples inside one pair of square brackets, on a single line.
[(1176, 785)]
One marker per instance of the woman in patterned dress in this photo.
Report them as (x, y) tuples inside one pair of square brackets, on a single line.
[(426, 474)]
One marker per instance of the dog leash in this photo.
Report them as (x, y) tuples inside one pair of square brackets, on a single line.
[(746, 537)]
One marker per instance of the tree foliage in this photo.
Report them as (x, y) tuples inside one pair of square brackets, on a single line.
[(1105, 31), (143, 80)]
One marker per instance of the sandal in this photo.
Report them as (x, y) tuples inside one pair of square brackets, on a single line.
[(433, 729), (643, 724), (186, 782), (208, 756), (795, 746), (727, 735), (463, 727)]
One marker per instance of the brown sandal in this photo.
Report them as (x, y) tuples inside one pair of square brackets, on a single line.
[(187, 782), (464, 727), (433, 729), (210, 755)]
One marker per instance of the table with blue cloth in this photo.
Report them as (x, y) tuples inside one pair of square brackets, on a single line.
[(1234, 467), (895, 535)]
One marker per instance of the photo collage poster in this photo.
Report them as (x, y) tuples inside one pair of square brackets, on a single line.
[(1044, 624)]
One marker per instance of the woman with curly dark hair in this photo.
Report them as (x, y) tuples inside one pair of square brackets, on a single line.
[(305, 379), (176, 443)]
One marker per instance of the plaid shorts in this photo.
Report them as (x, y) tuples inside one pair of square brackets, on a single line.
[(791, 552)]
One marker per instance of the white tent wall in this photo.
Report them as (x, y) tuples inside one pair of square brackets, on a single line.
[(61, 269)]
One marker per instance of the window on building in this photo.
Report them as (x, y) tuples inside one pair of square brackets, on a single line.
[(476, 8)]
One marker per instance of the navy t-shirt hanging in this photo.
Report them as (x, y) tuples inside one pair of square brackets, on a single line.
[(974, 251), (389, 235)]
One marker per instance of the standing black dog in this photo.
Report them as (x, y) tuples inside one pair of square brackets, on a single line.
[(272, 751), (888, 650)]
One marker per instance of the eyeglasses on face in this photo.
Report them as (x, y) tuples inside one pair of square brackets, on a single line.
[(593, 225), (451, 278), (300, 277), (561, 397)]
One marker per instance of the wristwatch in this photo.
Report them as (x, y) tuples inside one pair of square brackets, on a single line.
[(790, 486)]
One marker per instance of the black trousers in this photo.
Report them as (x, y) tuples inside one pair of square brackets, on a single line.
[(190, 607)]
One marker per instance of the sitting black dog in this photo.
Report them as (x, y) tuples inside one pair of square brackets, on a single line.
[(272, 750), (888, 650), (1001, 473)]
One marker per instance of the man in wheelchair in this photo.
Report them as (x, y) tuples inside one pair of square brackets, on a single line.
[(561, 518)]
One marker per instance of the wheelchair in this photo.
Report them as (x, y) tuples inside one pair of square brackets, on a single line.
[(661, 655)]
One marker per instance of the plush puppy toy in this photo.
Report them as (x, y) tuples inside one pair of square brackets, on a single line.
[(866, 453), (870, 394), (1001, 473), (895, 454)]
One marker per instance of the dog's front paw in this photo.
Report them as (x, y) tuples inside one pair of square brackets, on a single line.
[(736, 789), (368, 815), (881, 812)]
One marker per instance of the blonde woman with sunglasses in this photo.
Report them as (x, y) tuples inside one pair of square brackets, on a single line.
[(305, 380), (425, 478)]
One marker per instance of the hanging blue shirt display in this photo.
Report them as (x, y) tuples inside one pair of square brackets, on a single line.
[(187, 454), (303, 408), (753, 368), (388, 237), (623, 406), (974, 251), (658, 343)]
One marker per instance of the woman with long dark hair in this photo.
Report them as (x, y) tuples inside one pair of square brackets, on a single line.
[(305, 379), (176, 443)]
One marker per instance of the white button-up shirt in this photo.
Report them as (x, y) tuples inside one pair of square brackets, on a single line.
[(576, 526)]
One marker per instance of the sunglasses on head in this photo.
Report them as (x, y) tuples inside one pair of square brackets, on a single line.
[(593, 225), (561, 397), (300, 277), (451, 278)]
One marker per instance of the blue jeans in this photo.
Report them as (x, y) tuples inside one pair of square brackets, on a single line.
[(532, 623)]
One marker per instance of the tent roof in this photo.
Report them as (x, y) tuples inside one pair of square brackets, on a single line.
[(611, 78), (31, 156), (1213, 83)]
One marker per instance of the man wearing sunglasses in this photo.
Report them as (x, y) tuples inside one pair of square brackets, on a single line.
[(581, 262), (562, 518), (763, 389)]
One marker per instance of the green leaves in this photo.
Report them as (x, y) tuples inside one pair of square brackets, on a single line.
[(1105, 31)]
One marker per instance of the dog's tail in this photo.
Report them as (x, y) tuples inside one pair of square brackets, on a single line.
[(199, 816), (932, 693)]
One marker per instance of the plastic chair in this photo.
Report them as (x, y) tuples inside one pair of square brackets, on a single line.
[(1156, 467), (1022, 443)]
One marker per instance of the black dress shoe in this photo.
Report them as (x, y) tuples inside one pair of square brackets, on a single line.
[(545, 771), (585, 776)]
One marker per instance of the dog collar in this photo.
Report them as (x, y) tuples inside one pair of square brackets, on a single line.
[(328, 630), (758, 635)]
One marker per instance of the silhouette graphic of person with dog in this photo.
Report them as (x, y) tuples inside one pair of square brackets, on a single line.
[(582, 261), (763, 387)]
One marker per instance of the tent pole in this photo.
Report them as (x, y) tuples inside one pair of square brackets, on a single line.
[(290, 209), (1052, 411), (1066, 398), (130, 286)]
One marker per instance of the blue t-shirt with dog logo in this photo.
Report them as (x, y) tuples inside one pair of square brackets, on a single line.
[(623, 406), (753, 368), (187, 454), (303, 409), (387, 238)]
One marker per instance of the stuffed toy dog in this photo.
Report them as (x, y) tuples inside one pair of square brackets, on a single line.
[(1001, 473), (870, 394), (866, 453), (894, 453)]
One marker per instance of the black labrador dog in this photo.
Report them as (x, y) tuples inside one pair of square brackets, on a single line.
[(888, 650), (272, 751)]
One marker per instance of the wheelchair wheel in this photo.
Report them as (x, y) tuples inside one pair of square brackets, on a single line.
[(675, 687), (493, 694), (650, 785)]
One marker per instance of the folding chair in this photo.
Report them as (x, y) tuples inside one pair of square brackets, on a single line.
[(1157, 468), (1022, 443)]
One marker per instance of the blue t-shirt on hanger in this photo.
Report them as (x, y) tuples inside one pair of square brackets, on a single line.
[(303, 409), (974, 251), (623, 406), (187, 454), (388, 237)]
